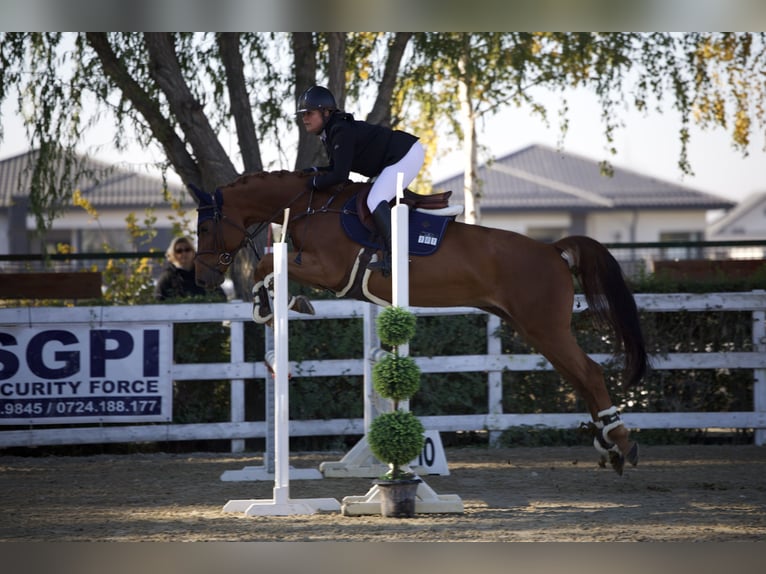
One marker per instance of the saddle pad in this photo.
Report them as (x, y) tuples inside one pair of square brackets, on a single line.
[(426, 230)]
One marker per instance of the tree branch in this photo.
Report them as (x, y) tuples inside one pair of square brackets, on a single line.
[(159, 125), (310, 150), (228, 45), (214, 164), (381, 110)]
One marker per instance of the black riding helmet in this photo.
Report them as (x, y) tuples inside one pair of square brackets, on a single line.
[(316, 98)]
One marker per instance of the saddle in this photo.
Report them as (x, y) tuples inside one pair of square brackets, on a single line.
[(435, 204), (428, 219)]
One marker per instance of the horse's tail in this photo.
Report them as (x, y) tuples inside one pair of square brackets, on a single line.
[(609, 298)]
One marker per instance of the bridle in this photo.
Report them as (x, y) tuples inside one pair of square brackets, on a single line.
[(213, 210), (226, 257)]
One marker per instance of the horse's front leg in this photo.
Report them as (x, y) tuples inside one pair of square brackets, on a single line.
[(263, 290), (263, 309), (610, 438)]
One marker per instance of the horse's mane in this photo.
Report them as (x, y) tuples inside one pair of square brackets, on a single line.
[(247, 177), (282, 175)]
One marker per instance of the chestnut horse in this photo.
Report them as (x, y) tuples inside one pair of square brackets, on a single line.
[(525, 282)]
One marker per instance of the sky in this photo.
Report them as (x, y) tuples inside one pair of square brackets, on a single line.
[(647, 144)]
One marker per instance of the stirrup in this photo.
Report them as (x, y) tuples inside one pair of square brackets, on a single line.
[(383, 265)]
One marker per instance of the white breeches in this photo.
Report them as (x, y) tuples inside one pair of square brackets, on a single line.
[(384, 188)]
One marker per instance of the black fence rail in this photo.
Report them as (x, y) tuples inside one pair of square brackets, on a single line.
[(635, 258), (76, 261)]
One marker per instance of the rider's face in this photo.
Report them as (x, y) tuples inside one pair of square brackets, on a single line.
[(313, 121)]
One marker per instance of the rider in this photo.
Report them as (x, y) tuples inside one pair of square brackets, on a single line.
[(369, 149)]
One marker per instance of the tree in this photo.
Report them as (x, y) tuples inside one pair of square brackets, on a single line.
[(714, 79), (178, 91), (182, 91)]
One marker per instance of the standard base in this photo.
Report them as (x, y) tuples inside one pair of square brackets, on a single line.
[(289, 507), (260, 473), (359, 462), (427, 502)]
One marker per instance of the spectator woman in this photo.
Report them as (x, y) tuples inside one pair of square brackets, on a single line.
[(177, 279)]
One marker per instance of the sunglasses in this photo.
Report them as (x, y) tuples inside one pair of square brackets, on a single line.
[(183, 250)]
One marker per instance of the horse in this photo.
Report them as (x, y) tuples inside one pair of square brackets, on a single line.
[(527, 283)]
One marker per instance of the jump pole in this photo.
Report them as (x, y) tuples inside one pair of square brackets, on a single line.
[(359, 462), (266, 470), (281, 504), (427, 500)]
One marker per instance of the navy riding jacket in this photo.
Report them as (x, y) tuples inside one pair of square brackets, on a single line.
[(361, 147)]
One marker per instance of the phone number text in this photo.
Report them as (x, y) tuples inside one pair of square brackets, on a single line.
[(91, 407)]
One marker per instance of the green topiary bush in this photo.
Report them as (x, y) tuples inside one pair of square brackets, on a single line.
[(395, 377), (396, 438), (395, 326)]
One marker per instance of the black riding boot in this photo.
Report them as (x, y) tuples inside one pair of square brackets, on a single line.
[(382, 217)]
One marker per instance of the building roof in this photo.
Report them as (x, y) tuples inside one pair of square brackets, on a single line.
[(105, 185), (541, 178), (746, 221)]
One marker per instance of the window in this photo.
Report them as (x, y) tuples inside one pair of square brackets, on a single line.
[(686, 249)]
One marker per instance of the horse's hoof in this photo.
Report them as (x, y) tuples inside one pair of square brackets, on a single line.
[(632, 456), (617, 461), (262, 314), (267, 320), (301, 304)]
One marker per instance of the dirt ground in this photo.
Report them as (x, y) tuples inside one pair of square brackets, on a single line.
[(677, 494)]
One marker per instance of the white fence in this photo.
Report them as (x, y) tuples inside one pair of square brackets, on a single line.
[(494, 363)]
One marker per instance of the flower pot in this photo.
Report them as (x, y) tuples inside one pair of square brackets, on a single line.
[(397, 497)]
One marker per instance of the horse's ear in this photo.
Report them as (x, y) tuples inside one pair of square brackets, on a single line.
[(202, 197)]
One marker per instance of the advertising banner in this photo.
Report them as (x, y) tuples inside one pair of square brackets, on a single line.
[(82, 374)]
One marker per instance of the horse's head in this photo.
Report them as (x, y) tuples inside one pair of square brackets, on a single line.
[(224, 217), (219, 237)]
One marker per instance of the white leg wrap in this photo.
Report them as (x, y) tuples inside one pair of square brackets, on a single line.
[(257, 317), (609, 420), (607, 412)]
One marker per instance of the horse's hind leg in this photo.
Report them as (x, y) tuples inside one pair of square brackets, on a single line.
[(586, 376)]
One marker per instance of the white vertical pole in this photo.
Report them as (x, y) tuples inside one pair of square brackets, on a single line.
[(494, 378), (237, 389), (370, 339), (268, 383), (400, 227), (759, 375), (400, 261), (281, 504), (281, 366)]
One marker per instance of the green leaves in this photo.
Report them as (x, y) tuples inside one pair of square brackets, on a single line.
[(396, 437), (395, 326), (395, 377)]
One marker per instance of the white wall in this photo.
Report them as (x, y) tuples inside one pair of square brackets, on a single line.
[(522, 221), (643, 226), (611, 226), (86, 233), (112, 219), (750, 225)]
